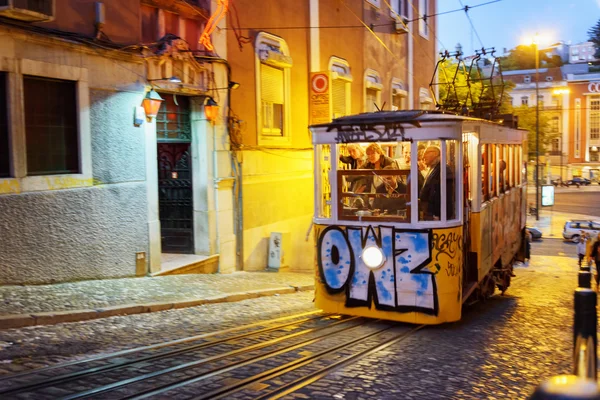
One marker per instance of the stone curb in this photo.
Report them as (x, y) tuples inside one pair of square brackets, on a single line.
[(14, 321)]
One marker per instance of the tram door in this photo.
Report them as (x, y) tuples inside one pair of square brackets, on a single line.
[(175, 191)]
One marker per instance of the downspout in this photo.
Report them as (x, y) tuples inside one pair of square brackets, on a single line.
[(239, 228)]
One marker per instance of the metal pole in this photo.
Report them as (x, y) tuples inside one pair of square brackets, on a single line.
[(537, 134), (561, 158)]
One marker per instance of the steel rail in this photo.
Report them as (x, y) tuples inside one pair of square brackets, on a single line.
[(315, 376), (195, 364), (232, 388), (155, 346), (96, 370)]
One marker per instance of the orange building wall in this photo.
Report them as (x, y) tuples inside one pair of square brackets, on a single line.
[(122, 19), (577, 91), (271, 15), (424, 54)]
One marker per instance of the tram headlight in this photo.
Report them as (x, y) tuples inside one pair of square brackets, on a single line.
[(373, 257)]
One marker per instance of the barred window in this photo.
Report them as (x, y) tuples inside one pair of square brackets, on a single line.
[(4, 149)]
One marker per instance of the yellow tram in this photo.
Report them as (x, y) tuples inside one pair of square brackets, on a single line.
[(416, 211)]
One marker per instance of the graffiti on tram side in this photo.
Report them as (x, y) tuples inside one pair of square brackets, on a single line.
[(402, 283), (390, 132), (447, 243)]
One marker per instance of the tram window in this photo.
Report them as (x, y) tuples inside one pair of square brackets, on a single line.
[(378, 186), (493, 170), (323, 184), (501, 169), (374, 194), (485, 172), (430, 194), (510, 168), (451, 174)]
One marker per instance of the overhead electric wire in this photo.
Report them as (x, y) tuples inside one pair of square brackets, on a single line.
[(357, 26), (467, 8)]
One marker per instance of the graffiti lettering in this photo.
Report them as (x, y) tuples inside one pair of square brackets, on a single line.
[(391, 132), (452, 270), (402, 283), (447, 244)]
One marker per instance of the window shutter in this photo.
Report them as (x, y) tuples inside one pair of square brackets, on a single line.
[(271, 84), (338, 97)]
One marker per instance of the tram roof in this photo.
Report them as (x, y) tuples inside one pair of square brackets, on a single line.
[(414, 117)]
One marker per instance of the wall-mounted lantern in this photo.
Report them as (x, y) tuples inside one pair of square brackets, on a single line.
[(211, 110), (151, 104)]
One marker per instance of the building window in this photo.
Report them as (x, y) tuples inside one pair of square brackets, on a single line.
[(423, 12), (527, 79), (341, 87), (555, 146), (549, 79), (4, 149), (51, 126), (555, 101), (373, 89), (594, 117), (273, 64), (553, 124), (173, 123), (425, 99), (399, 95), (524, 101), (398, 8)]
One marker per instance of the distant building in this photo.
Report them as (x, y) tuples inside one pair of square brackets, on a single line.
[(582, 53)]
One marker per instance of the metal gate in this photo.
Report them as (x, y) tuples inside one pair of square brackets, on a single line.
[(176, 205), (175, 198)]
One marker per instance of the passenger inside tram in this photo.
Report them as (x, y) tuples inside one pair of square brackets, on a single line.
[(430, 194), (391, 195)]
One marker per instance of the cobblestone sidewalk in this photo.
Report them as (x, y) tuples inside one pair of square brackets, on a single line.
[(22, 306)]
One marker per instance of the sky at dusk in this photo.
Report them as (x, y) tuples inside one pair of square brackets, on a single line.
[(510, 22)]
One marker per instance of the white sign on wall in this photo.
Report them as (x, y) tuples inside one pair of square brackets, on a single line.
[(594, 87)]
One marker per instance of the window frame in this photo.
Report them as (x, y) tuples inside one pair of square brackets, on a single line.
[(423, 25), (398, 90), (398, 9), (19, 181), (343, 73), (372, 81), (5, 110), (425, 98), (264, 44)]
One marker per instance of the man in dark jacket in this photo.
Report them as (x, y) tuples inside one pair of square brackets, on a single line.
[(430, 196)]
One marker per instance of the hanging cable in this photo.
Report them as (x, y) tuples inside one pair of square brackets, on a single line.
[(467, 8)]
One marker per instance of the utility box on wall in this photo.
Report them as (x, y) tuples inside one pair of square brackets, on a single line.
[(275, 251)]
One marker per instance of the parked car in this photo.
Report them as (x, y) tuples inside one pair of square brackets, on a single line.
[(578, 181), (535, 232), (572, 229)]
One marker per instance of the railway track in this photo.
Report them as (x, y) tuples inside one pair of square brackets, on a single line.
[(269, 359)]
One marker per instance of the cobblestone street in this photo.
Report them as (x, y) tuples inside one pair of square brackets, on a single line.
[(501, 349)]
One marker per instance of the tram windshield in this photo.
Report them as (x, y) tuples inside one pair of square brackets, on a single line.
[(374, 181)]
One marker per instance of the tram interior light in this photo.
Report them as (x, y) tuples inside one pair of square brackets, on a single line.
[(373, 257)]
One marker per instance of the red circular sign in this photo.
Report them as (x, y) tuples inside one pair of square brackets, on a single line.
[(320, 83)]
